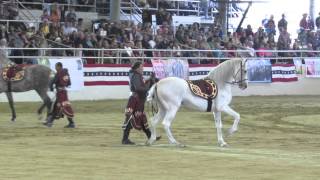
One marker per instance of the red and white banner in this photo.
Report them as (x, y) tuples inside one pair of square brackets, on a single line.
[(117, 74), (109, 74), (284, 73)]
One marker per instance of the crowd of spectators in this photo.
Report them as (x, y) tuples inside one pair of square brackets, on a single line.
[(61, 28)]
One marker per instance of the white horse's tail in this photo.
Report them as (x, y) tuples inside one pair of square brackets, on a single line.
[(151, 92)]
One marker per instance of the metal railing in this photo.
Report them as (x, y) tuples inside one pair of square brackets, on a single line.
[(119, 56), (42, 4)]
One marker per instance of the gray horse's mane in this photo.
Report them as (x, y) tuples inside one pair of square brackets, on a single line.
[(222, 71)]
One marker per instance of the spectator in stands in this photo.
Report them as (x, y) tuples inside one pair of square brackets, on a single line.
[(45, 28), (58, 44), (296, 47), (161, 16), (55, 14), (13, 10), (249, 31), (317, 22), (312, 39), (3, 14), (32, 52), (271, 26), (17, 41), (249, 46), (284, 42), (264, 21), (3, 33), (310, 23), (204, 5), (309, 53), (85, 4), (3, 44), (303, 22), (45, 15), (71, 16), (68, 29), (282, 23), (80, 25)]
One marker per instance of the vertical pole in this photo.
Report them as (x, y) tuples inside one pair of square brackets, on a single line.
[(223, 15), (311, 8), (115, 10)]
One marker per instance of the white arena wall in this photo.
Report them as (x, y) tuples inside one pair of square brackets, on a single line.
[(304, 86)]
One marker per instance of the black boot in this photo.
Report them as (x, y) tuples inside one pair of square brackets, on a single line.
[(49, 121), (126, 132), (71, 123)]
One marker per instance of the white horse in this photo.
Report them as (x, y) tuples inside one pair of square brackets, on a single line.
[(170, 93)]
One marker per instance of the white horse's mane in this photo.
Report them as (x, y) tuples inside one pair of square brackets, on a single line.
[(222, 71)]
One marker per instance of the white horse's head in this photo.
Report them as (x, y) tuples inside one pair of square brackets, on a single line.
[(240, 76), (233, 71)]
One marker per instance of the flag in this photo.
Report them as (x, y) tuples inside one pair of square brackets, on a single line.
[(109, 74), (284, 73)]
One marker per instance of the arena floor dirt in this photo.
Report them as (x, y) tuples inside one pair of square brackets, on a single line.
[(279, 138)]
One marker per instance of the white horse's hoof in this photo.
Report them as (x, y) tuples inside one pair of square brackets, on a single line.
[(150, 141), (223, 144), (181, 145), (231, 131)]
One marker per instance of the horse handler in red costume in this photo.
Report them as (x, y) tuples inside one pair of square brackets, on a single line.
[(62, 106), (135, 116)]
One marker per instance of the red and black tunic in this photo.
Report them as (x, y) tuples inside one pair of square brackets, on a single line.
[(62, 104), (135, 106)]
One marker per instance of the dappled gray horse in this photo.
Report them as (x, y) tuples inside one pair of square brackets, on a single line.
[(36, 77)]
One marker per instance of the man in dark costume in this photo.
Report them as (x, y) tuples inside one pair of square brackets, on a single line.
[(135, 115), (62, 106)]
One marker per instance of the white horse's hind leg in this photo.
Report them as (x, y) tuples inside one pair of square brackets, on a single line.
[(217, 119), (154, 122), (236, 117), (171, 113)]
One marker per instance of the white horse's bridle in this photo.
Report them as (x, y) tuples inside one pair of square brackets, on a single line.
[(241, 76)]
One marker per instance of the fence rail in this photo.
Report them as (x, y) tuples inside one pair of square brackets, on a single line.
[(120, 55)]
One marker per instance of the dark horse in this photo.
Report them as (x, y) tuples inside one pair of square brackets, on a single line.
[(36, 77)]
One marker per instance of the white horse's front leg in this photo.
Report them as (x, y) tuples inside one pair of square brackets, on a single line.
[(236, 117), (217, 119)]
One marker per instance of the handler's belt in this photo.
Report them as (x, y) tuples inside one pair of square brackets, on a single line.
[(61, 88)]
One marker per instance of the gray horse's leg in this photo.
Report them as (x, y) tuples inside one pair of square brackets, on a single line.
[(43, 105), (13, 111), (46, 101)]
